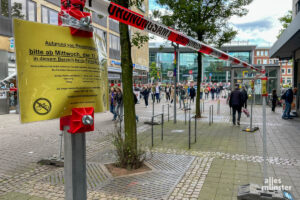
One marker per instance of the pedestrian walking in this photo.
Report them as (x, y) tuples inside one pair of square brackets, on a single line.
[(288, 96), (168, 93), (206, 91), (192, 93), (213, 91), (172, 90), (182, 95), (145, 92), (218, 90), (274, 100), (245, 97), (201, 92), (135, 102), (119, 104), (157, 93), (236, 102), (113, 102)]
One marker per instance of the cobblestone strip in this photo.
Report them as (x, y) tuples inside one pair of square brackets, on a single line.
[(239, 157), (190, 185)]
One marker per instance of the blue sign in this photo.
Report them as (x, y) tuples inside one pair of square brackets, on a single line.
[(12, 43), (288, 195), (210, 74), (115, 62)]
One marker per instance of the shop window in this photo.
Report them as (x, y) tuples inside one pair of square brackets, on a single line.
[(289, 80), (49, 16), (265, 61), (283, 81), (114, 42), (18, 9)]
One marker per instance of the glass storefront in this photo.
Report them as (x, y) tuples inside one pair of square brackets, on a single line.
[(213, 68)]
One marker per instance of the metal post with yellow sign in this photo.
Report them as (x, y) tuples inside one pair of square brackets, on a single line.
[(251, 128), (264, 92)]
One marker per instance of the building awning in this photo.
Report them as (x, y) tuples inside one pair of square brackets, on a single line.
[(288, 42)]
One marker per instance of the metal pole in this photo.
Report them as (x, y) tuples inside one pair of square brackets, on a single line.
[(153, 105), (184, 114), (75, 166), (152, 130), (162, 127), (218, 108), (265, 137), (209, 113), (251, 111), (176, 63), (168, 112), (189, 133), (163, 109), (203, 105), (195, 129), (212, 114)]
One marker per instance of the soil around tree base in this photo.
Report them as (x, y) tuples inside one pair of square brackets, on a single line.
[(117, 171)]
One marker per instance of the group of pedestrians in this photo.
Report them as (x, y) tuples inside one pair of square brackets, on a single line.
[(116, 102), (214, 90)]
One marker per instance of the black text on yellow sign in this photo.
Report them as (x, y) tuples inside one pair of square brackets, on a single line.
[(57, 72)]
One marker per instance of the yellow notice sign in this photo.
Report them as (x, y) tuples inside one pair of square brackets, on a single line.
[(57, 71)]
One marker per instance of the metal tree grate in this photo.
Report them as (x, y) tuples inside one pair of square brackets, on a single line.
[(96, 176)]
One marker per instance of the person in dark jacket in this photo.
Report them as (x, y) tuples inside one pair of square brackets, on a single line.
[(135, 102), (288, 96), (192, 93), (119, 106), (145, 92), (274, 100), (245, 97), (236, 102), (213, 91)]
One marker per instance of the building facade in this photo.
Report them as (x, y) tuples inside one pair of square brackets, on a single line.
[(262, 57), (213, 69), (46, 11), (287, 47)]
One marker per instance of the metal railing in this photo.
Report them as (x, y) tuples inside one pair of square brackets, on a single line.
[(162, 127), (211, 115), (186, 109)]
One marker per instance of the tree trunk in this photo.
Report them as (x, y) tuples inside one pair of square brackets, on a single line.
[(128, 100), (198, 111)]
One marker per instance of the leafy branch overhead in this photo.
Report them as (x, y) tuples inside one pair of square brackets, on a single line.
[(285, 21), (138, 40)]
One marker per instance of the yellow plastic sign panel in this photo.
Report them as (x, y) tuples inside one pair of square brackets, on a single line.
[(58, 72), (264, 90)]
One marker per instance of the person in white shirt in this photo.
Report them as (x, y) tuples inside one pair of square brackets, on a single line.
[(157, 92)]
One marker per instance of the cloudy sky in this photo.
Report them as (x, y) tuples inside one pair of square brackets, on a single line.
[(261, 25)]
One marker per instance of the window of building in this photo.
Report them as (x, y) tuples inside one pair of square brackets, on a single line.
[(258, 61), (282, 71), (283, 80), (18, 9), (49, 16), (101, 33), (114, 42), (290, 62), (31, 11), (257, 53), (289, 80), (271, 61), (266, 53), (265, 61), (289, 71)]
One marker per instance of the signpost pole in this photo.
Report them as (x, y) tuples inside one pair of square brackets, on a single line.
[(176, 55), (75, 166), (264, 93)]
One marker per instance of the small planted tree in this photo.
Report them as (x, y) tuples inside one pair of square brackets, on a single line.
[(285, 22)]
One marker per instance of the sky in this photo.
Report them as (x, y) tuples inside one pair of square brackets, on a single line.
[(260, 26)]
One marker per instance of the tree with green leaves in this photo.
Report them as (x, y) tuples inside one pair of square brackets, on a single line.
[(129, 150), (4, 8), (204, 20), (285, 21), (153, 71)]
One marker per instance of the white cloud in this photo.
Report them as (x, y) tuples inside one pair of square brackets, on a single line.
[(259, 11)]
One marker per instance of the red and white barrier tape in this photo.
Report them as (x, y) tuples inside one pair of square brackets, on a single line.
[(139, 21)]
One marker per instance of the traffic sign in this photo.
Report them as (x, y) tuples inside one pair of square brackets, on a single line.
[(170, 74)]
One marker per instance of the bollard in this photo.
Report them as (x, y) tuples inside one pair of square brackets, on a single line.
[(152, 130), (203, 106), (212, 114), (209, 113), (189, 133), (195, 128), (162, 127), (163, 108), (184, 116), (168, 112), (218, 107)]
